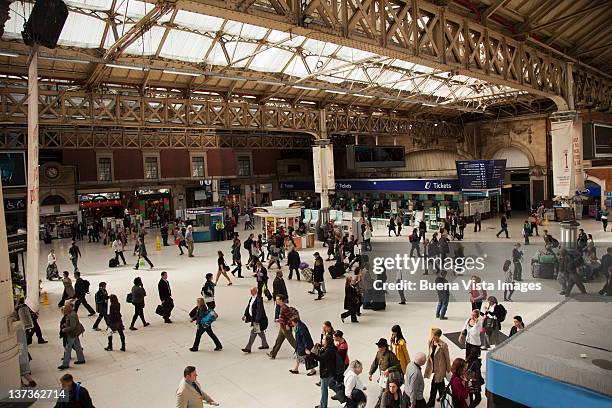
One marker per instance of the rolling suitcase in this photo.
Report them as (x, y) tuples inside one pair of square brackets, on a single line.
[(336, 270)]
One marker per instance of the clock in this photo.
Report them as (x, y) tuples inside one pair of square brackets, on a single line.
[(52, 172)]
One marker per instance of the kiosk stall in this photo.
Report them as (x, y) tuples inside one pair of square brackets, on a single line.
[(203, 220), (282, 213)]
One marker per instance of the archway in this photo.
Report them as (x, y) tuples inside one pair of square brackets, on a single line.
[(53, 200), (517, 182)]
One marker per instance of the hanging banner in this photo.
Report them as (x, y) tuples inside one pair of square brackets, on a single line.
[(562, 155), (318, 169), (578, 179), (323, 166)]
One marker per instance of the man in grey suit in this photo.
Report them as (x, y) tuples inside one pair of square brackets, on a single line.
[(415, 385)]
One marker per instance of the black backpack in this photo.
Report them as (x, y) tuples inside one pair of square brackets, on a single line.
[(86, 285), (502, 313)]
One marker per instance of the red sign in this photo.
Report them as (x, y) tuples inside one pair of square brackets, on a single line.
[(96, 204)]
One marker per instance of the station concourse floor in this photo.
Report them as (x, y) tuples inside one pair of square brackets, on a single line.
[(148, 373)]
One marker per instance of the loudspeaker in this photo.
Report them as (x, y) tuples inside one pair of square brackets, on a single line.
[(45, 23)]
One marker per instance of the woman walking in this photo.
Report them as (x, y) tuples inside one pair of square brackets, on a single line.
[(459, 384), (115, 323), (398, 347), (303, 342), (199, 314), (236, 257), (208, 291), (222, 269), (351, 301), (509, 280), (52, 271), (68, 289), (138, 295), (438, 365), (470, 334), (317, 277), (327, 366)]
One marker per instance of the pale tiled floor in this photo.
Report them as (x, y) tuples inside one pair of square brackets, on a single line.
[(148, 373)]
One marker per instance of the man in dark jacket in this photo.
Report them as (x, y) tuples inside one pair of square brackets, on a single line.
[(81, 289), (101, 298), (255, 314), (164, 234), (293, 260), (503, 223), (261, 275), (75, 394), (74, 253), (165, 296), (386, 360), (443, 295), (422, 230)]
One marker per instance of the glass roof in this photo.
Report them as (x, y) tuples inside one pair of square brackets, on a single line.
[(196, 38)]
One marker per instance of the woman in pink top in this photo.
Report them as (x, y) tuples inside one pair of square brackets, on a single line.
[(459, 384), (477, 293)]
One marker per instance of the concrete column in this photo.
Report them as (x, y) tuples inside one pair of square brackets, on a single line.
[(323, 162), (33, 210), (9, 351)]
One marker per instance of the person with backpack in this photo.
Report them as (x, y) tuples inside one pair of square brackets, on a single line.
[(203, 316), (248, 245), (327, 366), (494, 315), (414, 243), (284, 326), (76, 394), (101, 299), (81, 289), (72, 329)]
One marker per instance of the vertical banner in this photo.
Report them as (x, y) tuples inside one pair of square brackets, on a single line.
[(317, 167), (328, 157), (562, 156), (578, 177)]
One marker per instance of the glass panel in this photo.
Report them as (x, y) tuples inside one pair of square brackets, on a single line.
[(104, 169), (244, 166), (197, 165), (151, 168)]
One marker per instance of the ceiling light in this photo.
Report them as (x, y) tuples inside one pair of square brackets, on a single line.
[(308, 88), (429, 104), (335, 92), (170, 71), (8, 54), (363, 96), (132, 67)]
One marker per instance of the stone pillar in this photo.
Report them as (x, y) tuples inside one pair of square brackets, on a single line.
[(9, 351), (323, 162)]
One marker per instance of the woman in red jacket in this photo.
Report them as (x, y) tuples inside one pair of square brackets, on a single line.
[(459, 384)]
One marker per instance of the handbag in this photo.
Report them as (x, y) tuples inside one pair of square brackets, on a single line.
[(128, 298), (226, 268), (310, 362), (462, 338)]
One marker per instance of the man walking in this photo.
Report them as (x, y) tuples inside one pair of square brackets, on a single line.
[(255, 314), (504, 226), (165, 295), (189, 393), (284, 329), (415, 384), (261, 275), (101, 298), (189, 241), (164, 234), (71, 329), (76, 394), (477, 221), (81, 289), (118, 248), (75, 253)]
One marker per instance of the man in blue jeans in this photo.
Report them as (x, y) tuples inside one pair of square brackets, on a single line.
[(443, 295)]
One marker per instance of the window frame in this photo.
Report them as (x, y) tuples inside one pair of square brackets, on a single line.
[(150, 155), (240, 155), (105, 155)]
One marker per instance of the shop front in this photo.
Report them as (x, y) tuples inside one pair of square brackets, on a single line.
[(95, 205), (153, 204), (59, 221), (203, 220)]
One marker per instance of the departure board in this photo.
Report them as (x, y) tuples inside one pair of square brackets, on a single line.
[(481, 174)]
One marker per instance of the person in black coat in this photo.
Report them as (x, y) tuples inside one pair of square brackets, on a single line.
[(255, 314), (101, 298), (327, 366), (165, 296), (293, 260), (81, 289), (317, 276), (279, 288), (196, 315), (351, 300), (607, 289), (115, 323)]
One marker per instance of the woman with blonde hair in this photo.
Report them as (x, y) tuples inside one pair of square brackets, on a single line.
[(222, 269)]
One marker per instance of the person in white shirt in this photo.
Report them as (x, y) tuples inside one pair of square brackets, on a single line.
[(52, 271), (118, 248), (367, 236), (471, 332), (353, 387)]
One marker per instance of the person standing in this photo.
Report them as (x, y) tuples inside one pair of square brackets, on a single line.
[(391, 226), (470, 334), (517, 325), (284, 326), (494, 315), (138, 296), (52, 265), (101, 299), (397, 345), (422, 230), (142, 253), (526, 231), (509, 281), (68, 289), (438, 365), (118, 248), (604, 219), (255, 314), (443, 295), (293, 260), (76, 394), (222, 268), (367, 238), (74, 253), (351, 300), (477, 221), (165, 296), (197, 314), (208, 291), (189, 240), (115, 323), (72, 329), (327, 366), (317, 276), (189, 393), (462, 225), (504, 226), (81, 289), (164, 234), (478, 293), (398, 222), (414, 243)]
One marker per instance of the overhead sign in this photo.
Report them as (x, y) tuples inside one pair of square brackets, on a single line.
[(481, 174), (401, 185)]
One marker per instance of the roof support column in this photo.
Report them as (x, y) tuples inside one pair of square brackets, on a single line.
[(323, 161)]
